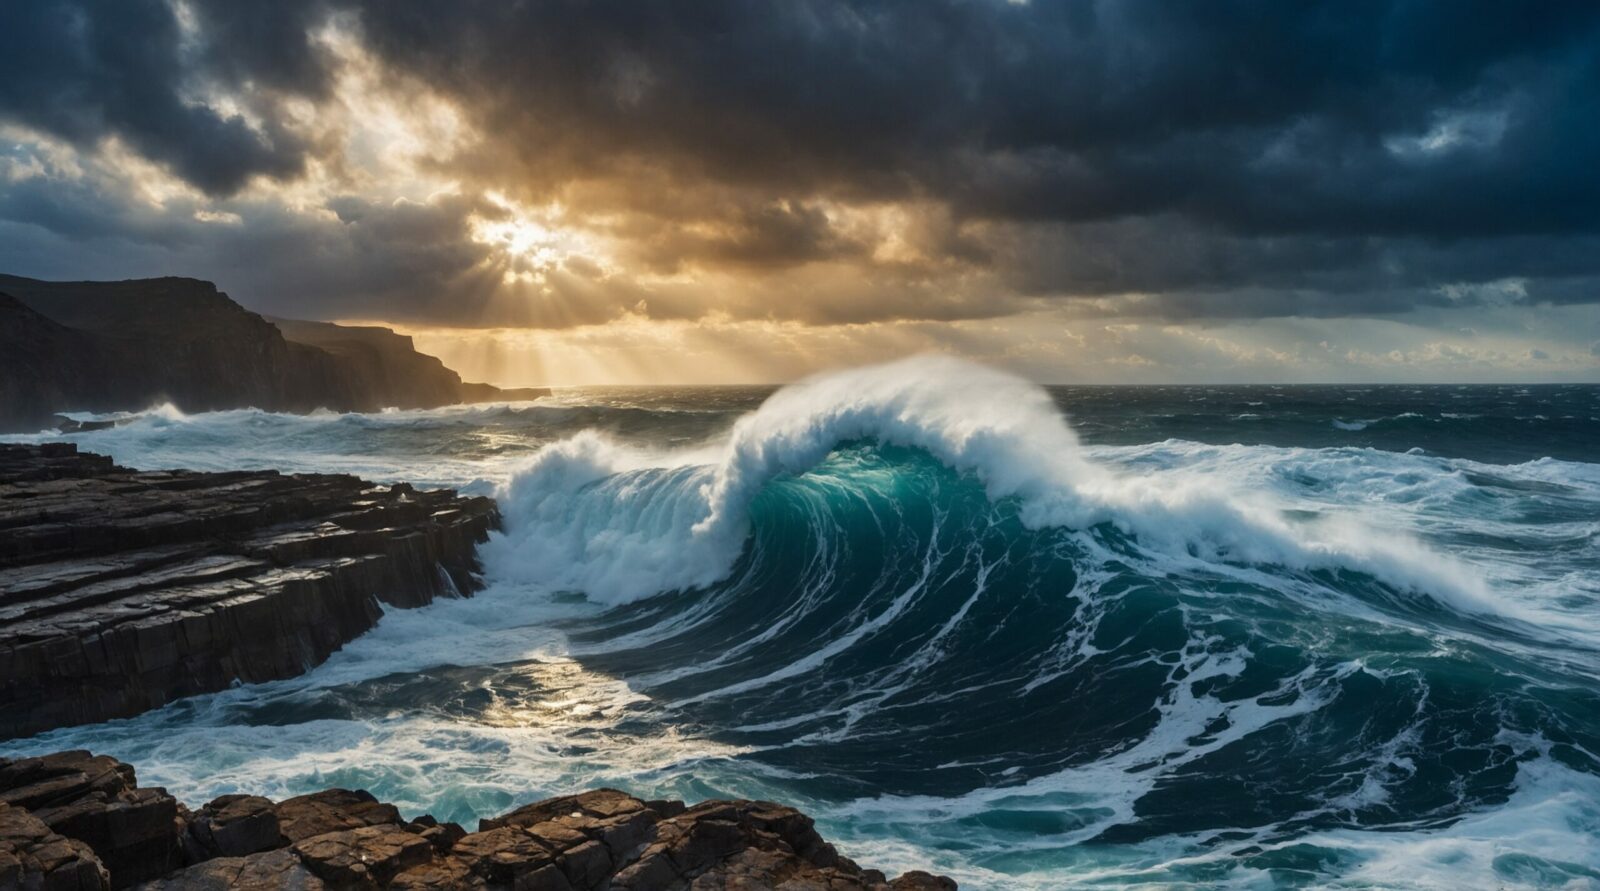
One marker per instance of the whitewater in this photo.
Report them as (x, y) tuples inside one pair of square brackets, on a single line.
[(1029, 637)]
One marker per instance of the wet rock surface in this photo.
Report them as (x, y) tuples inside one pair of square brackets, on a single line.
[(123, 590), (73, 820)]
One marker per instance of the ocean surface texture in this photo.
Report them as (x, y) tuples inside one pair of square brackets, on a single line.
[(1333, 636)]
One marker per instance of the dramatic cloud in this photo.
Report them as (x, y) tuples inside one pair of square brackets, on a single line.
[(88, 72), (827, 162)]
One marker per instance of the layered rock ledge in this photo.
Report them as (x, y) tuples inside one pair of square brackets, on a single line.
[(123, 590), (79, 822)]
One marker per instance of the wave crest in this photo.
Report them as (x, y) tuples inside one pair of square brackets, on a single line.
[(617, 524)]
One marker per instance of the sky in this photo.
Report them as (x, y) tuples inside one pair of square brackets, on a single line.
[(660, 191)]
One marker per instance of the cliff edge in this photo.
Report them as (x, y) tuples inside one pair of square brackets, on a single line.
[(120, 346)]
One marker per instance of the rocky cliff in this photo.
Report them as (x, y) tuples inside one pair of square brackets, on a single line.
[(106, 346), (385, 362), (80, 822), (43, 364), (123, 590)]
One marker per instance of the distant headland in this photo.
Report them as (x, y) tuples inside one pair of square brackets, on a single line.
[(126, 345)]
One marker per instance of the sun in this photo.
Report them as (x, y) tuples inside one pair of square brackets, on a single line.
[(532, 242)]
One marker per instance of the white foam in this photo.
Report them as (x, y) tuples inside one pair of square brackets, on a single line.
[(386, 446), (1552, 816), (579, 520)]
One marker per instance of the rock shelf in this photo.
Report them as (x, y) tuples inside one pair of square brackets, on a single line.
[(123, 590)]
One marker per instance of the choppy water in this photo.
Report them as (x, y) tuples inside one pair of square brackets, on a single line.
[(1165, 636)]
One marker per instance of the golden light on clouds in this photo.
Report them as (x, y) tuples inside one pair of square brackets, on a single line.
[(533, 242), (638, 199), (1043, 344)]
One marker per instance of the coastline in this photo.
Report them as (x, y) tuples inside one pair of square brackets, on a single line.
[(124, 590)]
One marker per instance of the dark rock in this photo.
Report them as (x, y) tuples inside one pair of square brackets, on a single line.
[(503, 855), (443, 836), (438, 875), (122, 590), (107, 346), (917, 880), (332, 810), (545, 878), (232, 826), (369, 856), (272, 871), (385, 368), (492, 393), (666, 808), (598, 804), (587, 865), (704, 842), (94, 800), (626, 835), (45, 366), (340, 838), (32, 856)]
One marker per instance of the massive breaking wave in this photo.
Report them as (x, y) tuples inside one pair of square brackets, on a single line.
[(618, 524), (910, 588)]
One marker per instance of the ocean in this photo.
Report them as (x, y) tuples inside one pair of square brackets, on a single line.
[(1030, 637)]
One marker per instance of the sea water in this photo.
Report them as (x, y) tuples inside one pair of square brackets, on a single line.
[(1335, 636)]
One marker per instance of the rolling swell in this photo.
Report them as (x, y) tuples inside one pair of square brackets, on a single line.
[(892, 602)]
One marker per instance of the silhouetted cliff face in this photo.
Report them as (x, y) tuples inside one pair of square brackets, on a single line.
[(43, 364), (107, 346), (379, 361)]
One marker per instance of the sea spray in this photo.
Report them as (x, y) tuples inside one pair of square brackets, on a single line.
[(588, 514)]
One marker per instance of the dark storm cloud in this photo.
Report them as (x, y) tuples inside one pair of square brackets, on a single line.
[(771, 236), (1196, 272), (268, 44), (1399, 117), (1237, 157), (83, 71)]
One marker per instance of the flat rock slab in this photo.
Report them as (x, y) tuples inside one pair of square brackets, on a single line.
[(122, 590)]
